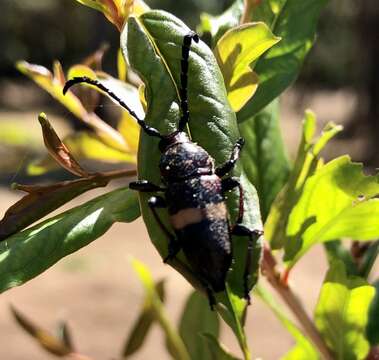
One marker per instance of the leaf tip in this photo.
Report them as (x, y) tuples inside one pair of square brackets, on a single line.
[(42, 118)]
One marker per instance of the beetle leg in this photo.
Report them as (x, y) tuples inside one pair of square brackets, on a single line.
[(229, 184), (241, 230), (173, 244), (184, 78), (144, 186), (228, 166)]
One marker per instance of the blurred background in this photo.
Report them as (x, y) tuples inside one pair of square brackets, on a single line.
[(339, 81)]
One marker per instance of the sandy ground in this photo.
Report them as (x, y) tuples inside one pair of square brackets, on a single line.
[(96, 291)]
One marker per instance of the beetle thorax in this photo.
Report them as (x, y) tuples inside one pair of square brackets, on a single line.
[(184, 160)]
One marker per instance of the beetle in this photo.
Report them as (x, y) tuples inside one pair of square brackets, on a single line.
[(194, 194)]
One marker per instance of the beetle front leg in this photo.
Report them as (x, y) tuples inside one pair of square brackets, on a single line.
[(144, 186), (242, 230), (174, 246), (229, 165)]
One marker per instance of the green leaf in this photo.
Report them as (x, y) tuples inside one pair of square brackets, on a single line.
[(337, 202), (217, 350), (295, 22), (235, 53), (197, 318), (372, 328), (304, 349), (30, 252), (153, 43), (173, 340), (264, 158), (341, 314), (143, 323), (306, 163), (216, 26)]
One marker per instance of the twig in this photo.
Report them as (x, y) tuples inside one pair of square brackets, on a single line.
[(293, 302), (249, 6)]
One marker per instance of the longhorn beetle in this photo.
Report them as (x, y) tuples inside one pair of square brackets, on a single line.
[(193, 194)]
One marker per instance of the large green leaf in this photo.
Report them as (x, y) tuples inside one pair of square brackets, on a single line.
[(342, 312), (264, 158), (304, 349), (337, 202), (372, 328), (153, 43), (197, 318), (295, 22), (306, 163), (30, 252)]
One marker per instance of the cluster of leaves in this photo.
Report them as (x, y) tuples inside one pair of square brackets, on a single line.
[(301, 205)]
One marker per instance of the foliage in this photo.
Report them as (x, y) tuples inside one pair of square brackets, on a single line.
[(233, 89)]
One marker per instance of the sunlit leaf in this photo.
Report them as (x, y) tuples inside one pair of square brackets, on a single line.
[(44, 338), (54, 86), (175, 343), (295, 22), (197, 318), (236, 52), (143, 324), (117, 11), (338, 201), (85, 145), (32, 251), (306, 163), (44, 78), (58, 150), (341, 314)]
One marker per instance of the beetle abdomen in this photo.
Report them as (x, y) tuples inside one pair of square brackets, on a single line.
[(207, 247), (199, 217)]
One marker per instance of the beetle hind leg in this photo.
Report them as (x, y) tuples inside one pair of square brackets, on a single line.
[(174, 246), (241, 230)]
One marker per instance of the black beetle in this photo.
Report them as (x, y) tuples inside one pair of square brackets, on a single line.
[(193, 194)]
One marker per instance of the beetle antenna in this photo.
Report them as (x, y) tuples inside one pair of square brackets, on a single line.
[(184, 78), (84, 79)]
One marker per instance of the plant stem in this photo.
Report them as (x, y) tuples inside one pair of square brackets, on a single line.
[(274, 278), (249, 6)]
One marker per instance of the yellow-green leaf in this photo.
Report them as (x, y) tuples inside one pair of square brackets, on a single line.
[(342, 313), (338, 201), (45, 79), (236, 52), (85, 145)]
